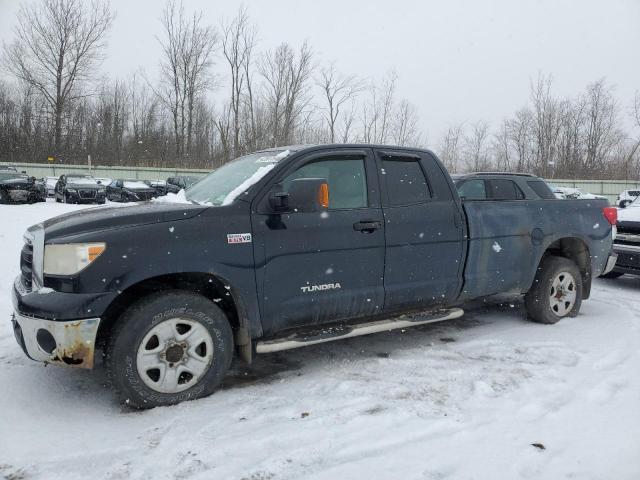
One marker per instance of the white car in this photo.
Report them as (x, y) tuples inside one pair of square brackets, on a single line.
[(50, 185), (626, 197), (574, 194)]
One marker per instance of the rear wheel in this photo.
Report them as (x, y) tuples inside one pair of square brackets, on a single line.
[(556, 291), (167, 348)]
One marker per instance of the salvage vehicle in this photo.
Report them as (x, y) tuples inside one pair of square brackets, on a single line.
[(50, 186), (79, 189), (627, 242), (160, 186), (627, 197), (175, 184), (290, 247), (130, 191), (19, 188), (502, 186)]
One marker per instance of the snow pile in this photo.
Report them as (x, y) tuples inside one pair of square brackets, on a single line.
[(179, 197), (244, 186), (476, 398)]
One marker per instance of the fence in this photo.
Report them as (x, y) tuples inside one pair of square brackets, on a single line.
[(609, 188), (139, 173)]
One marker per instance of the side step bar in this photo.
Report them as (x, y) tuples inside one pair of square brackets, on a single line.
[(331, 333)]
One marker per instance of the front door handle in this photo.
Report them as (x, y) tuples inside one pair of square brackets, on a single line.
[(367, 226)]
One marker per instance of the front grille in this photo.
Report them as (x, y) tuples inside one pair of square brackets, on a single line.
[(87, 193), (632, 228), (26, 266)]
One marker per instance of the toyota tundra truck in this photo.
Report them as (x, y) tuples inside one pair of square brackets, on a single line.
[(289, 247)]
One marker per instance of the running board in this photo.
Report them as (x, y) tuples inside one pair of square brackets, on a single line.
[(329, 334)]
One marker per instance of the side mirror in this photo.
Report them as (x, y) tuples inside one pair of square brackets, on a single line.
[(304, 195), (99, 182), (24, 171)]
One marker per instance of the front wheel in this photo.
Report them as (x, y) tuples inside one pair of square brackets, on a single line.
[(556, 291), (169, 347)]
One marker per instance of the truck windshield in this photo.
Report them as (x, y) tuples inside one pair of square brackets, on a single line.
[(225, 184)]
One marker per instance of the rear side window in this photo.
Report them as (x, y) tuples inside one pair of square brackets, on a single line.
[(503, 189), (542, 189), (405, 181), (472, 190)]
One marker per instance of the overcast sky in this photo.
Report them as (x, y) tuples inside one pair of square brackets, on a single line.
[(456, 60)]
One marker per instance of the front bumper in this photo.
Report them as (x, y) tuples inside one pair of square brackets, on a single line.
[(628, 259), (77, 198), (66, 343)]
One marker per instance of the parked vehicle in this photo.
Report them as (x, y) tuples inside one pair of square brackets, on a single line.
[(103, 180), (50, 186), (291, 247), (160, 186), (175, 184), (79, 189), (130, 191), (627, 242), (502, 186), (19, 188), (576, 194), (626, 197), (8, 168)]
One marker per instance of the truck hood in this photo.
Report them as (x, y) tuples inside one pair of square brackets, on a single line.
[(101, 218)]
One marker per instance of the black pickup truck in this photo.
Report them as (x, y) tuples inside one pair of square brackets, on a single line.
[(290, 247)]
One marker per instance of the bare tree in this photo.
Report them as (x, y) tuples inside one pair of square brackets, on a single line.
[(404, 129), (238, 42), (477, 156), (450, 147), (602, 133), (58, 45), (287, 76), (188, 49), (337, 90)]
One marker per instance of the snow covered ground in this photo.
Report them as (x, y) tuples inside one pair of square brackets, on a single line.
[(462, 400)]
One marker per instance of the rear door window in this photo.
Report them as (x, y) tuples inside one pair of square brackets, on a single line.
[(542, 189), (504, 189), (405, 181), (472, 189)]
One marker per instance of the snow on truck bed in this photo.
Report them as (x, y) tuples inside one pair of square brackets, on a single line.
[(461, 400)]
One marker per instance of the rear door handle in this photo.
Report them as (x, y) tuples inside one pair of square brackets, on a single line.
[(367, 226)]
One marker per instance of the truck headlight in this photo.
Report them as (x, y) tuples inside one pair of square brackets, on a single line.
[(71, 190), (70, 258)]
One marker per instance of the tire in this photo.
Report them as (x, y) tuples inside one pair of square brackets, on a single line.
[(140, 340), (4, 198), (612, 274), (555, 274)]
